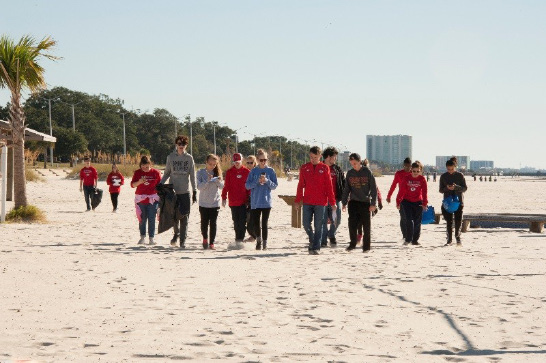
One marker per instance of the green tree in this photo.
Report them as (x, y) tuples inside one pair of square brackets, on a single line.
[(19, 69), (69, 142)]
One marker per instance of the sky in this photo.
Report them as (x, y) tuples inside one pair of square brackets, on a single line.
[(461, 77)]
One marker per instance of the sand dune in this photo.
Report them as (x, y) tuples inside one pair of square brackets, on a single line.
[(80, 289)]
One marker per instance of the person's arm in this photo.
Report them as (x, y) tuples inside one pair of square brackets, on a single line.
[(251, 181), (96, 178), (202, 179), (373, 189), (425, 192), (226, 186), (443, 184), (109, 179), (301, 186), (192, 174), (220, 183), (168, 170), (122, 179), (462, 187), (401, 193), (136, 181), (330, 189), (272, 181), (342, 177), (346, 191), (393, 186)]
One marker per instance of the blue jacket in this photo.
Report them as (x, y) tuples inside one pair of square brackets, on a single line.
[(209, 196), (260, 195)]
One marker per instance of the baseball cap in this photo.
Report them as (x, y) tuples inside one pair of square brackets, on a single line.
[(237, 157)]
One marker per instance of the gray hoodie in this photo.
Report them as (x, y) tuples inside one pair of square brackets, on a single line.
[(181, 170), (209, 195)]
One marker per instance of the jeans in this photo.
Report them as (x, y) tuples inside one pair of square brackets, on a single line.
[(255, 217), (458, 223), (87, 192), (359, 214), (182, 215), (149, 213), (208, 219), (114, 198), (238, 214), (315, 238), (330, 232), (414, 214)]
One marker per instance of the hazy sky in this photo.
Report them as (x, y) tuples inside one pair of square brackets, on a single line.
[(461, 77)]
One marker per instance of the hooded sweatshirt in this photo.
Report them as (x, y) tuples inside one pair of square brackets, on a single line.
[(209, 197), (413, 190), (360, 186), (234, 187), (317, 182), (181, 170), (260, 195)]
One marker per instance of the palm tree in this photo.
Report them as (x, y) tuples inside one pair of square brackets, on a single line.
[(19, 69)]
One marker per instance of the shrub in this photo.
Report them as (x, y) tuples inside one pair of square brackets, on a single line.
[(28, 214), (32, 176)]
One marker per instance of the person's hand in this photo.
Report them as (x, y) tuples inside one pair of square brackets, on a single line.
[(224, 203), (262, 179), (451, 187), (81, 189), (344, 208), (398, 206), (425, 208), (373, 208), (388, 200), (194, 197), (334, 208), (210, 177)]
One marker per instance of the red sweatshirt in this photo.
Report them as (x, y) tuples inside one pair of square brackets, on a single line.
[(88, 175), (413, 190), (398, 177), (234, 186), (115, 181), (152, 179), (316, 181)]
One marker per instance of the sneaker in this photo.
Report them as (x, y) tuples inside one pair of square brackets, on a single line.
[(448, 243), (173, 240), (151, 242), (416, 244), (314, 252), (458, 239), (264, 245), (182, 244), (205, 244), (333, 242), (405, 243), (350, 248), (88, 210), (142, 240), (324, 244), (114, 211), (366, 251), (459, 244), (258, 246), (211, 246), (250, 239)]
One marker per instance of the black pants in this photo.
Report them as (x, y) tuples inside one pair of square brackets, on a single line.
[(114, 198), (458, 223), (403, 227), (208, 219), (359, 213), (250, 223), (182, 215), (87, 192), (413, 212), (238, 214), (264, 214)]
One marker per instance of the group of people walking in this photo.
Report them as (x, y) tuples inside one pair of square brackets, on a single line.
[(323, 192)]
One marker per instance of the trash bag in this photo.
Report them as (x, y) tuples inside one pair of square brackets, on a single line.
[(167, 207), (451, 203), (429, 216), (96, 197)]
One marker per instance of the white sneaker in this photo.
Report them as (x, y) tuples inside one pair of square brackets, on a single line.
[(152, 243), (142, 240)]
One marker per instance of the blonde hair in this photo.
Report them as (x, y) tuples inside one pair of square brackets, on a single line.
[(217, 171), (261, 152), (252, 158)]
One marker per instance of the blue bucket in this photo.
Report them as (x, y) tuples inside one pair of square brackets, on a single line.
[(429, 216), (451, 203)]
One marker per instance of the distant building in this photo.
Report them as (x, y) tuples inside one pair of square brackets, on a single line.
[(462, 161), (481, 164), (343, 160), (389, 149)]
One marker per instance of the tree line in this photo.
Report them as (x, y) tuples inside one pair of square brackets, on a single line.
[(84, 123)]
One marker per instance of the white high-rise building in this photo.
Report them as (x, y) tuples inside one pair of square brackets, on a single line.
[(390, 149), (463, 162)]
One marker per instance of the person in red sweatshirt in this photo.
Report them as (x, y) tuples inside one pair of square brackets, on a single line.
[(398, 177), (412, 201), (146, 199), (315, 191), (115, 180), (236, 192), (88, 181)]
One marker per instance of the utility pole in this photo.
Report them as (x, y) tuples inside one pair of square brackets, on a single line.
[(280, 150), (188, 117), (214, 135), (50, 132)]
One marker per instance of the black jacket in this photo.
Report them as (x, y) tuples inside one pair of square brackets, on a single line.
[(340, 184)]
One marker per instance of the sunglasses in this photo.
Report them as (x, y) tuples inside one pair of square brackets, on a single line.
[(263, 160), (415, 171), (250, 162)]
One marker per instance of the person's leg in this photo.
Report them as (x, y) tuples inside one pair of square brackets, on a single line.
[(403, 226), (87, 190), (234, 218), (152, 214), (408, 220), (417, 218), (335, 224), (327, 216), (241, 223), (143, 219), (204, 223), (307, 216), (250, 224), (318, 211), (257, 230), (366, 227), (449, 225), (213, 217), (353, 224), (265, 219), (458, 223), (114, 199)]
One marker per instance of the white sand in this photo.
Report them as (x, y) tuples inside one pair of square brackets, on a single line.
[(79, 288)]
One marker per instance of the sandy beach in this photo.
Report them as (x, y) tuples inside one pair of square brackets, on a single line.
[(80, 289)]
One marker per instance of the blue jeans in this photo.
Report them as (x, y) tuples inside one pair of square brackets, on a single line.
[(87, 192), (149, 213), (330, 233), (318, 212)]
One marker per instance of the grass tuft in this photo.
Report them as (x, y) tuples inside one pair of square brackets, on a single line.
[(32, 176), (27, 214)]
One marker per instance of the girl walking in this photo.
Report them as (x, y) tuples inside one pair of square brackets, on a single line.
[(412, 201), (209, 182), (146, 199), (261, 181), (115, 180), (453, 183)]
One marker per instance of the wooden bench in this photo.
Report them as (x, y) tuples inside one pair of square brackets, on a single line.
[(535, 222), (296, 209)]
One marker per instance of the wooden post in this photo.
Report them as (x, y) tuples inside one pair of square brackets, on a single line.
[(466, 224), (437, 218), (536, 227), (296, 210), (9, 191)]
